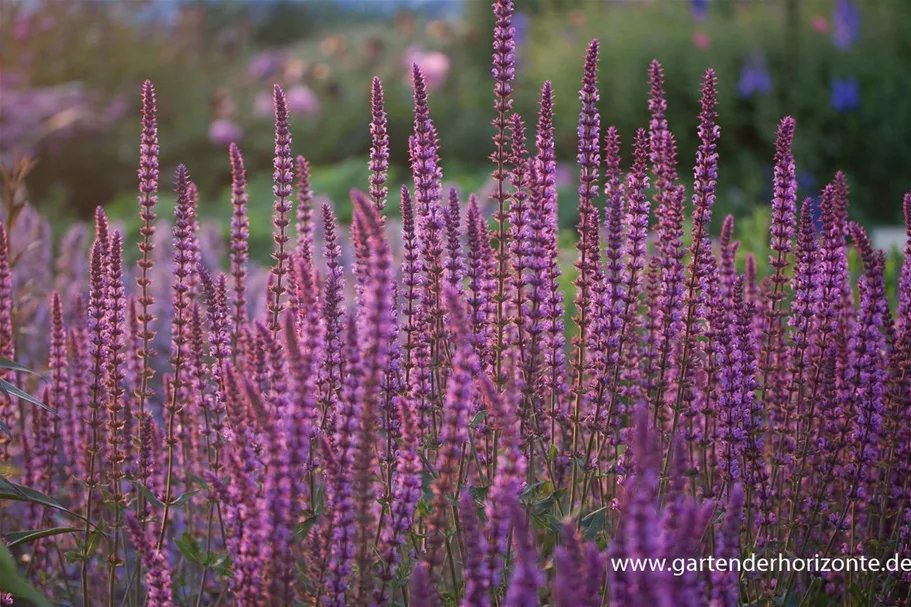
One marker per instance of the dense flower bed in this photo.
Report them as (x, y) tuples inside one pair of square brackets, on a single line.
[(424, 434)]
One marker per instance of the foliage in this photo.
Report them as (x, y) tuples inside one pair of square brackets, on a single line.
[(787, 46), (402, 415)]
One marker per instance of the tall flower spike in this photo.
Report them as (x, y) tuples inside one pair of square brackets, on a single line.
[(304, 205), (148, 198), (332, 310), (7, 341), (375, 343), (706, 170), (784, 208), (477, 575), (453, 434), (725, 592), (527, 578), (868, 369), (452, 217), (637, 213), (379, 149), (588, 158), (422, 590), (339, 463), (588, 263), (666, 278), (478, 279), (508, 477), (661, 143), (183, 268), (519, 235), (614, 193), (425, 160), (283, 178), (240, 234), (60, 386), (97, 328), (115, 359), (569, 582), (102, 230), (406, 493), (503, 72), (158, 576), (728, 249), (546, 190), (706, 173)]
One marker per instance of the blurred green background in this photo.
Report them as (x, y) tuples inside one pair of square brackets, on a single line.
[(70, 75)]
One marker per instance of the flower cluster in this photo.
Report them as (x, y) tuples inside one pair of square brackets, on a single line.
[(433, 434)]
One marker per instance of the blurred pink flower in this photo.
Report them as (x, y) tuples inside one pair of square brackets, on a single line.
[(701, 40), (301, 100), (266, 64), (22, 30), (223, 132), (434, 65), (820, 24), (262, 105), (565, 175)]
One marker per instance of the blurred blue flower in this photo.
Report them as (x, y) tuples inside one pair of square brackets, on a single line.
[(845, 94), (845, 24), (699, 8), (806, 180), (755, 78), (521, 22)]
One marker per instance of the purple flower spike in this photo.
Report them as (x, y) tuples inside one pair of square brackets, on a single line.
[(725, 592), (7, 341), (240, 233), (569, 584), (545, 168), (333, 310), (379, 150), (158, 576), (283, 178), (477, 575), (478, 257), (527, 577), (148, 198), (503, 71), (422, 590), (304, 206), (588, 263), (452, 217)]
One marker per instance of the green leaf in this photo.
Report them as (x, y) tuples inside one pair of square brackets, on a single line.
[(529, 490), (304, 527), (183, 498), (189, 548), (220, 563), (478, 418), (14, 583), (592, 523), (14, 491), (552, 453), (479, 493), (11, 390), (200, 481), (5, 429), (147, 493), (94, 541), (12, 365), (15, 538)]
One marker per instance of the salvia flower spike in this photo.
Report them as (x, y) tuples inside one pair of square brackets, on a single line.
[(429, 431)]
